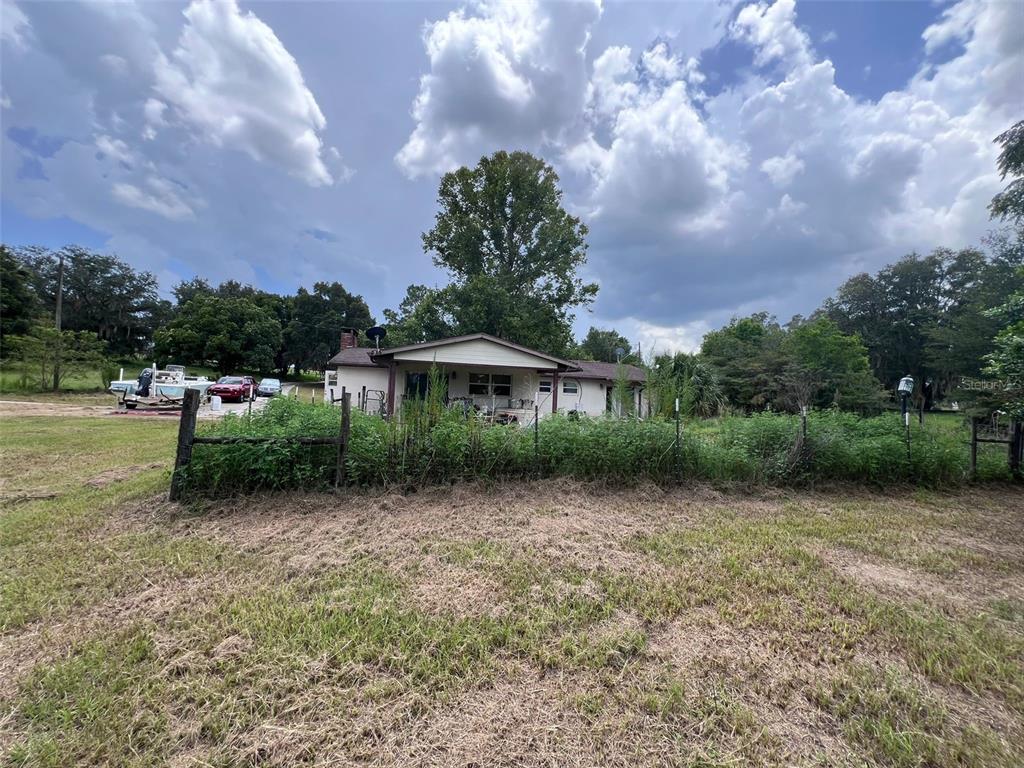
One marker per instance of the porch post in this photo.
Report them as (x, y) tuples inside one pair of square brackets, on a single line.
[(554, 391), (392, 374)]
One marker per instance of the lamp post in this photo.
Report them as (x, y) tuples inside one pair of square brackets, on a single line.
[(905, 389)]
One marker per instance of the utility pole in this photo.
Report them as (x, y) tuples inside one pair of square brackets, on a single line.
[(60, 299)]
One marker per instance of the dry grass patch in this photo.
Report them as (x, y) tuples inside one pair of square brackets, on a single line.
[(540, 624)]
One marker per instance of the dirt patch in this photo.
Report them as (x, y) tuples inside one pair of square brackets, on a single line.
[(119, 474), (453, 590), (21, 497), (965, 589), (764, 675), (558, 521), (26, 408)]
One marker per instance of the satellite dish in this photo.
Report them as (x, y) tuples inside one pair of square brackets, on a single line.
[(619, 352), (375, 334)]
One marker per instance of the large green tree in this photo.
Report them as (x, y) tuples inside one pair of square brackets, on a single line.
[(234, 334), (19, 305), (101, 294), (313, 333), (601, 344), (512, 252), (927, 315), (420, 317), (277, 305), (1008, 205), (828, 368), (1006, 361), (749, 360)]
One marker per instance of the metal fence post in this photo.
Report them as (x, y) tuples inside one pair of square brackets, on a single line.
[(1016, 445), (536, 436), (186, 434), (679, 468), (346, 427), (906, 420), (974, 448)]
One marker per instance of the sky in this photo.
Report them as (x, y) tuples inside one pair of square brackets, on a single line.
[(726, 157)]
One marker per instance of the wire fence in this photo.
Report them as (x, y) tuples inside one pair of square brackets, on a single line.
[(293, 445)]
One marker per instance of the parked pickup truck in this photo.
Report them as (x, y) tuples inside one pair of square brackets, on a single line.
[(238, 388)]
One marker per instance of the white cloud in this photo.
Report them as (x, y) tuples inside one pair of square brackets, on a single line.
[(159, 197), (863, 181), (772, 31), (14, 26), (508, 75), (653, 339), (700, 205), (612, 84), (114, 148), (232, 80), (782, 169), (663, 169)]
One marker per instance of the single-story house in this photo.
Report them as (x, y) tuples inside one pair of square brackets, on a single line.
[(495, 377)]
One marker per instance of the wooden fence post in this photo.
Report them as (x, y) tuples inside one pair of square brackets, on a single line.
[(346, 428), (186, 433)]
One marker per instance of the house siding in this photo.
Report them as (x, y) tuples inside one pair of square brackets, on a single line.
[(353, 379)]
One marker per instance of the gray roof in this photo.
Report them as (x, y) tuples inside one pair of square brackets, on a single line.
[(589, 369), (353, 356)]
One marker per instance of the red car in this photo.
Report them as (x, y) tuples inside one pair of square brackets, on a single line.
[(238, 388)]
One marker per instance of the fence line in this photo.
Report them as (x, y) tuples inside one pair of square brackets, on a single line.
[(187, 439), (409, 452)]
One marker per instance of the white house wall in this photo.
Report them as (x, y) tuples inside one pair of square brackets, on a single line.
[(353, 378), (590, 400), (591, 396)]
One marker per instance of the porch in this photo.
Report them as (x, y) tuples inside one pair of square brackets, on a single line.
[(496, 394)]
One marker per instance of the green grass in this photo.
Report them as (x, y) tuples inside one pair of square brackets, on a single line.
[(14, 378), (156, 634)]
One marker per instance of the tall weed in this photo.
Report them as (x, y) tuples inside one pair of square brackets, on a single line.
[(434, 446)]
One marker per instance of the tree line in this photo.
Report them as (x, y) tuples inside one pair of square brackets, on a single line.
[(514, 256), (230, 326)]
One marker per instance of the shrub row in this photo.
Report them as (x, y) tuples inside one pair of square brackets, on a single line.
[(449, 447)]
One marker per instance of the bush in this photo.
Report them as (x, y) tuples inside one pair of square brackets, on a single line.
[(431, 446)]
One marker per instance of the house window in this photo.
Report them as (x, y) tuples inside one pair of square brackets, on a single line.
[(496, 384), (570, 387), (545, 386)]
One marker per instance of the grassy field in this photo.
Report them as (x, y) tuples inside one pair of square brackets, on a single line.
[(534, 624)]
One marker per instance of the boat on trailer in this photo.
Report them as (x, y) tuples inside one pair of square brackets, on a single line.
[(156, 387)]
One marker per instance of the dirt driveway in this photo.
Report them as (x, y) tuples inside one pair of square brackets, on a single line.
[(30, 408)]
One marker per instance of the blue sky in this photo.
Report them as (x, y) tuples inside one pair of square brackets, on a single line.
[(728, 157)]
